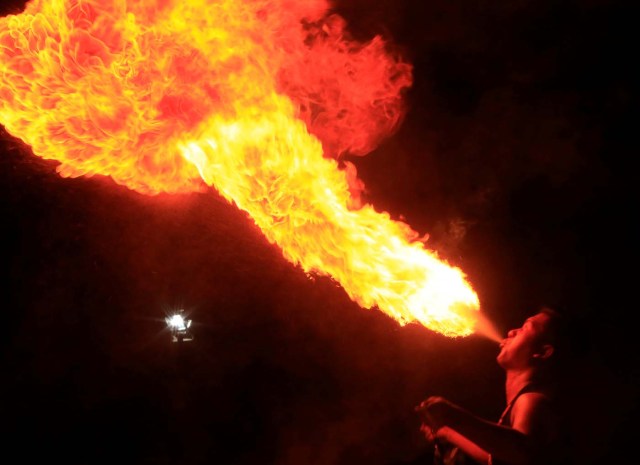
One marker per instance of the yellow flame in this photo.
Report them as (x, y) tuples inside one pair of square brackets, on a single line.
[(172, 96), (271, 167)]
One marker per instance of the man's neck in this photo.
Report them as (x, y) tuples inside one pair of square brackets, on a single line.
[(516, 380)]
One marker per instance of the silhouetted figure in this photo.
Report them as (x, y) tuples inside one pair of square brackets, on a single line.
[(532, 430)]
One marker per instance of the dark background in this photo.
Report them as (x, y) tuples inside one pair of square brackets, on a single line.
[(516, 156)]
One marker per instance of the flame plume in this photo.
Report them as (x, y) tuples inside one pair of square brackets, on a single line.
[(258, 99)]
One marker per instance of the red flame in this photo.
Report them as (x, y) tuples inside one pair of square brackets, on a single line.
[(254, 98)]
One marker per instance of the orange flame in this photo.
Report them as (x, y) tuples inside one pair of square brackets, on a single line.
[(257, 99)]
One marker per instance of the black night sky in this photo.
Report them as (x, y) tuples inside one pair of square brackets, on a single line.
[(516, 155)]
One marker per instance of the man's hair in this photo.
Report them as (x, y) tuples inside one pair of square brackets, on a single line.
[(567, 335)]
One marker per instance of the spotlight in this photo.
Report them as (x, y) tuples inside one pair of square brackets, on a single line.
[(179, 326)]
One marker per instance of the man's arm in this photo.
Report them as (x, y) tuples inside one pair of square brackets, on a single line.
[(518, 445), (469, 448)]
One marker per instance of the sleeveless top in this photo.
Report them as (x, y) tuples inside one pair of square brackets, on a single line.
[(505, 418), (558, 451), (451, 455)]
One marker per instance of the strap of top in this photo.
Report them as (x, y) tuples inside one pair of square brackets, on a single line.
[(507, 410)]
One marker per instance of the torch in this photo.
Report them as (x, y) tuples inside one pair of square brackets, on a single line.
[(179, 326)]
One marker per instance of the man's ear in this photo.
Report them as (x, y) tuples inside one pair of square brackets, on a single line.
[(544, 353)]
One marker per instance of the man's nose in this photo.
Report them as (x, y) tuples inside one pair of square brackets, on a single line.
[(512, 333)]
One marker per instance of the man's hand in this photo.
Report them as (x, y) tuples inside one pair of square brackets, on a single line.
[(429, 434), (435, 412)]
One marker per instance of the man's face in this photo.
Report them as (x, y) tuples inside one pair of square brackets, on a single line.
[(518, 348)]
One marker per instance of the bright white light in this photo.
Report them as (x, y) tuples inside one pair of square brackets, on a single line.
[(178, 323), (179, 327)]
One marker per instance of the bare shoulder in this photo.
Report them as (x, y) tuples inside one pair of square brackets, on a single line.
[(534, 398), (532, 402), (533, 413)]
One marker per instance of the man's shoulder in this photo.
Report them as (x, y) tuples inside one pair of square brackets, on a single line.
[(534, 400), (534, 410)]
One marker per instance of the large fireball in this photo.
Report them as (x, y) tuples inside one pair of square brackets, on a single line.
[(256, 99)]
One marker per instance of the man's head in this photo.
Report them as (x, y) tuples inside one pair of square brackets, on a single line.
[(539, 344)]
